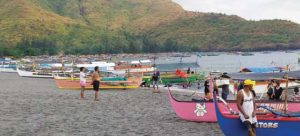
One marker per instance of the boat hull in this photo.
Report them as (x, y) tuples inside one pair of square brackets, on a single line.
[(171, 79), (131, 83), (267, 124)]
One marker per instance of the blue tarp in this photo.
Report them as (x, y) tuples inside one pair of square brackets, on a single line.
[(261, 69)]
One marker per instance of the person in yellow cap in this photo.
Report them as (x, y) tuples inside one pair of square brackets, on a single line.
[(246, 107)]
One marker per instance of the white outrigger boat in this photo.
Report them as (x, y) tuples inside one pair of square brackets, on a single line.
[(35, 74)]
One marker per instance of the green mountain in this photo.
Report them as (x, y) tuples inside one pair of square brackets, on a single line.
[(35, 27)]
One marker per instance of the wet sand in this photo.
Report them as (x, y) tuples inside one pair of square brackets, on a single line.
[(36, 107)]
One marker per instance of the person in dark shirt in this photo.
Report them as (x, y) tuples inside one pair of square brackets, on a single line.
[(225, 91), (158, 73), (278, 91), (189, 70), (206, 89), (155, 79)]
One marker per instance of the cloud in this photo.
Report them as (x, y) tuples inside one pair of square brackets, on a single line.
[(248, 9)]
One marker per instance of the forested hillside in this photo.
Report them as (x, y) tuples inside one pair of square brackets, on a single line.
[(36, 27)]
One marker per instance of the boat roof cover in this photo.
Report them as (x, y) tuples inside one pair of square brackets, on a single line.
[(135, 62), (264, 76), (260, 69)]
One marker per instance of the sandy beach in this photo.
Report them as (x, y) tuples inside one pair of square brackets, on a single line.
[(32, 107)]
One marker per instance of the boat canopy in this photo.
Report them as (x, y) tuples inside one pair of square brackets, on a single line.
[(102, 64), (264, 76), (135, 62), (261, 69)]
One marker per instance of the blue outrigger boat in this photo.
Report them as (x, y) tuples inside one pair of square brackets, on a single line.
[(274, 123)]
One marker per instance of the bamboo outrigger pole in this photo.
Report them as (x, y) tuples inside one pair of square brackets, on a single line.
[(286, 89)]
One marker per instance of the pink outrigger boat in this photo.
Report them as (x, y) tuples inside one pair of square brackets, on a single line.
[(204, 111)]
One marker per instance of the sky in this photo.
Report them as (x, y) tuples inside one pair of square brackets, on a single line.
[(248, 9)]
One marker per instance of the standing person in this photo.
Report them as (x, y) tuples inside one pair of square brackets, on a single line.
[(216, 88), (82, 82), (206, 89), (247, 108), (188, 70), (155, 82), (96, 82), (278, 91), (296, 96)]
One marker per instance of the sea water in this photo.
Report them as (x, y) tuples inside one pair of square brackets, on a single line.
[(226, 62)]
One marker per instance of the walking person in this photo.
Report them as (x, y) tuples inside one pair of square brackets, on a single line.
[(155, 79), (82, 82), (96, 82), (247, 108), (216, 88)]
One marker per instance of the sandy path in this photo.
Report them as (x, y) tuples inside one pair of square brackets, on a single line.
[(36, 107)]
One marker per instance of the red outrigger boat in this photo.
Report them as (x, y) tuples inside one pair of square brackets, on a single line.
[(204, 111)]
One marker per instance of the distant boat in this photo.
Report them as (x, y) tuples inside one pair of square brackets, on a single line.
[(233, 53), (199, 55), (25, 73), (212, 54), (266, 52), (180, 55), (288, 51), (247, 54)]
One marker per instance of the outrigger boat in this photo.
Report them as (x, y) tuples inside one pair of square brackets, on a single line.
[(174, 77), (105, 83), (140, 66), (202, 110), (34, 74), (275, 123)]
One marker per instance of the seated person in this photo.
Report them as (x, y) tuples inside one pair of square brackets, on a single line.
[(296, 96), (278, 91)]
